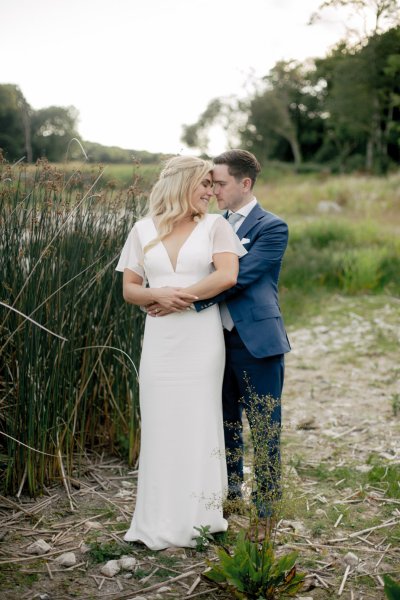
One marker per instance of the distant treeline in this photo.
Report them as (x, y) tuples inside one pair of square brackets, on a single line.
[(48, 133), (341, 113)]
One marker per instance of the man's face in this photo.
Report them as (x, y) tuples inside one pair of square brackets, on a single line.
[(229, 192)]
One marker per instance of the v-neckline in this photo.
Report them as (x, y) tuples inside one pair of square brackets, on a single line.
[(180, 247)]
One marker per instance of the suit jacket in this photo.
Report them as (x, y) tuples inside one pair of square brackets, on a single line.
[(254, 302)]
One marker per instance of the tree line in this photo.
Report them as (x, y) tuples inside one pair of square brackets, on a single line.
[(342, 110), (47, 133)]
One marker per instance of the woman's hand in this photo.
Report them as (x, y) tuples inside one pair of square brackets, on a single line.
[(168, 299)]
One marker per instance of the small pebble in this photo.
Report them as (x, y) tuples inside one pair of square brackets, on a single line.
[(111, 568), (351, 559), (84, 548), (127, 563), (93, 525), (38, 547), (127, 484), (68, 559)]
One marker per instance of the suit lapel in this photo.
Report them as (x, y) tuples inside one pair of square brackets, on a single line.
[(252, 219)]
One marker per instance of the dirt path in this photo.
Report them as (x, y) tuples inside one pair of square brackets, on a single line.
[(341, 448)]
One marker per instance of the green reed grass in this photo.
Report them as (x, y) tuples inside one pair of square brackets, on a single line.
[(59, 242), (328, 256)]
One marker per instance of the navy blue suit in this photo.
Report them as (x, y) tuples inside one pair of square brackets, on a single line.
[(255, 349)]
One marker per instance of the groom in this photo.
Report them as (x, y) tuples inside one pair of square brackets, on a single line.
[(255, 335)]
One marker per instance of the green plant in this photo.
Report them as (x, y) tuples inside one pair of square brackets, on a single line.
[(101, 552), (392, 588), (60, 238), (396, 404), (254, 572), (204, 538)]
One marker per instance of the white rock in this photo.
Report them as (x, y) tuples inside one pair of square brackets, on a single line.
[(297, 526), (111, 568), (38, 547), (127, 484), (327, 206), (127, 563), (93, 525), (68, 559), (124, 493), (164, 589), (351, 559)]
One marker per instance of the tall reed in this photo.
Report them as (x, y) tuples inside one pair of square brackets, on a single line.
[(59, 242)]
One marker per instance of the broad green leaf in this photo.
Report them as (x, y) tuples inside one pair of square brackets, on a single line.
[(392, 588)]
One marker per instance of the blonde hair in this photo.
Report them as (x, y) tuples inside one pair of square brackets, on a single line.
[(170, 198)]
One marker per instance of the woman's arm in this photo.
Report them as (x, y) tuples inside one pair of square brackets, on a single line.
[(224, 277), (171, 299)]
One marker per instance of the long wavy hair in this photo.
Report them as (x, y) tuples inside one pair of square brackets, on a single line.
[(170, 198)]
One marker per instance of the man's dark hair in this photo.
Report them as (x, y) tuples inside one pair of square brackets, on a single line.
[(240, 163)]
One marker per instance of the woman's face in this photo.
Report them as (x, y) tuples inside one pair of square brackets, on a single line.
[(203, 194)]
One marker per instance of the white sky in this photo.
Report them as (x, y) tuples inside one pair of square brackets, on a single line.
[(136, 70)]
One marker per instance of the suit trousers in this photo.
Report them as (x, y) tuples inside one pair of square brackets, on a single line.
[(255, 385)]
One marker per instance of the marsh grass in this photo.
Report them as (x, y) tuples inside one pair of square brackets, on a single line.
[(59, 241), (353, 251), (359, 197), (336, 256)]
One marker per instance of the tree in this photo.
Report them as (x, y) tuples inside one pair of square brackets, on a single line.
[(52, 130), (15, 115), (226, 113), (384, 13), (362, 99), (285, 120)]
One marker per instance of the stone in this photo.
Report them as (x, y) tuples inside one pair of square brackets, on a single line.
[(39, 547), (351, 559), (327, 206), (127, 484), (93, 525), (68, 559), (127, 563), (111, 568)]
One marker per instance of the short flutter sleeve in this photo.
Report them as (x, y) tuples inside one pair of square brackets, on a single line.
[(132, 254), (224, 239)]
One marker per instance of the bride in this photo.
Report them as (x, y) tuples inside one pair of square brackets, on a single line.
[(183, 254)]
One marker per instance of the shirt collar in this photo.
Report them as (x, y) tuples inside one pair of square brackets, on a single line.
[(245, 210)]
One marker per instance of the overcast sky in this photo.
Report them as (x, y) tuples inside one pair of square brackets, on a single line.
[(136, 70)]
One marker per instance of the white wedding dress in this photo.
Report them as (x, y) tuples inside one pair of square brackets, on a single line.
[(182, 472)]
